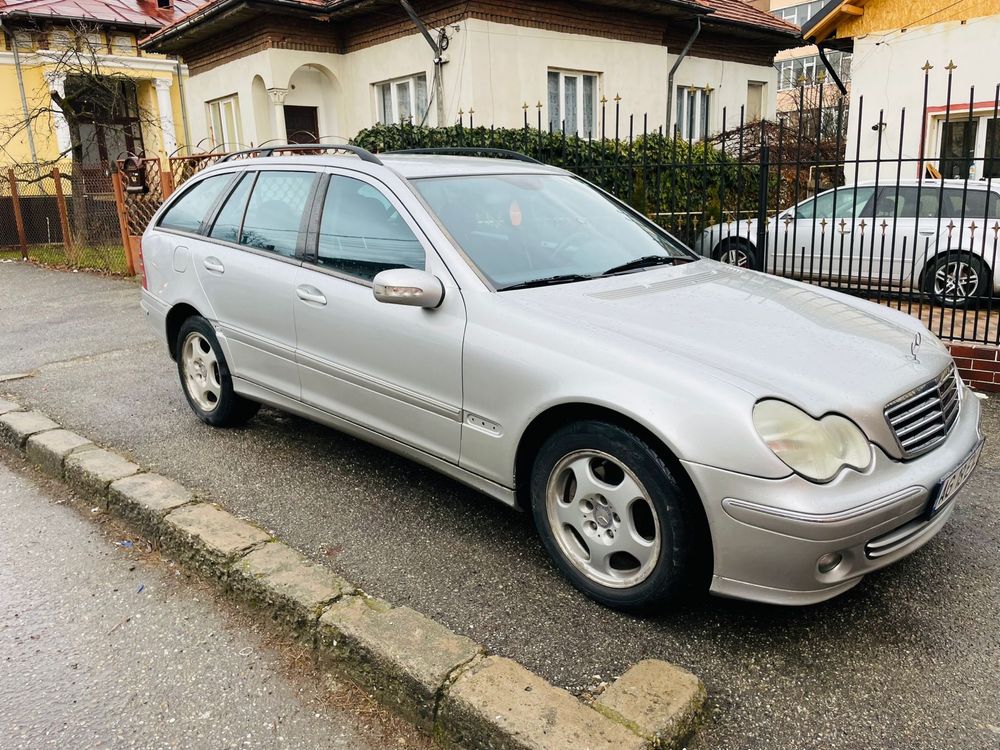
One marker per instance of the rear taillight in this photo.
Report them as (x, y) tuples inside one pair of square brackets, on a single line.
[(142, 265)]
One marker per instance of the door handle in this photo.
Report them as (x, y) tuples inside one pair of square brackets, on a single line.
[(310, 294), (214, 264)]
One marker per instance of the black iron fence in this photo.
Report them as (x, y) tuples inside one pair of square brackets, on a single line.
[(902, 208)]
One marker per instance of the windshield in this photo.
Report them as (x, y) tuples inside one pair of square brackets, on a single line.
[(519, 229)]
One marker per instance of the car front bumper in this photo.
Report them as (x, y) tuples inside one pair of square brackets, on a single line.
[(769, 535)]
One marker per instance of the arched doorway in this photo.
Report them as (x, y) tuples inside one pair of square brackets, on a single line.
[(310, 106)]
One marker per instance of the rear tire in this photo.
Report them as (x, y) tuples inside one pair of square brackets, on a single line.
[(612, 516), (205, 377), (736, 252), (957, 279)]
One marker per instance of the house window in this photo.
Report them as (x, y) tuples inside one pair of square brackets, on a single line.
[(958, 148), (799, 14), (572, 102), (786, 75), (755, 101), (224, 122), (693, 109), (991, 168), (402, 100), (123, 44)]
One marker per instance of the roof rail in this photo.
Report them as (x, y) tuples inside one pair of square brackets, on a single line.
[(458, 151), (361, 153)]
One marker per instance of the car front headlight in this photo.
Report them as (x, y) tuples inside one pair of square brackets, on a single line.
[(815, 448)]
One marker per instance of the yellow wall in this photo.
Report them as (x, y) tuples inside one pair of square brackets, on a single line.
[(892, 15), (17, 150)]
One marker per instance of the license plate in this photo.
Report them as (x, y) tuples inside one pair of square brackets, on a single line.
[(949, 486)]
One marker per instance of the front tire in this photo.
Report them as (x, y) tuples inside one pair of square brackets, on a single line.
[(612, 516), (205, 377)]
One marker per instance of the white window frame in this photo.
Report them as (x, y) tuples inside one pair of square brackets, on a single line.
[(393, 117), (695, 129), (580, 127), (228, 140), (786, 74)]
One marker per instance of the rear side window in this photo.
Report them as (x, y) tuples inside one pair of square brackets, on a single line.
[(274, 214), (189, 211), (227, 223), (361, 233)]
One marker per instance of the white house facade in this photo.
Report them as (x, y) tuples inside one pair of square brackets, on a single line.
[(951, 128), (260, 72)]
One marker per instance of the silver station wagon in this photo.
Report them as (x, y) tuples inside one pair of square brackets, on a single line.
[(672, 423)]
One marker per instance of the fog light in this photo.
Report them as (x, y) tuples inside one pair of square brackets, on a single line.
[(829, 561)]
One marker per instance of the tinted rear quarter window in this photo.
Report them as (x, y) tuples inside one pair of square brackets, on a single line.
[(187, 213)]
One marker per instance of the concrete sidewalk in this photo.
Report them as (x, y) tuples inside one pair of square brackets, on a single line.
[(106, 646), (910, 658)]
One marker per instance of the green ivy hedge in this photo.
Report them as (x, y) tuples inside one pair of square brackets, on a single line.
[(686, 186)]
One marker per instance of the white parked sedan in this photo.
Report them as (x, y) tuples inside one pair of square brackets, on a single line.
[(938, 237), (671, 422)]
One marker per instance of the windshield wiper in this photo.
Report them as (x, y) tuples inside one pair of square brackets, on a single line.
[(645, 262), (562, 278)]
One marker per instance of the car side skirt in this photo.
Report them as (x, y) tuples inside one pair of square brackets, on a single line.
[(274, 399)]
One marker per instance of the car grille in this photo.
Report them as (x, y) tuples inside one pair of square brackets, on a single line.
[(921, 419)]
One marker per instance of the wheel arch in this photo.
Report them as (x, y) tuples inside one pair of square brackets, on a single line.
[(559, 415), (175, 319)]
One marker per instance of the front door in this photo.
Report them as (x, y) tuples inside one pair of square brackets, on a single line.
[(301, 124), (394, 369), (248, 265)]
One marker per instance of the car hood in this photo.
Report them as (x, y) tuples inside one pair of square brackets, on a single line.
[(819, 349)]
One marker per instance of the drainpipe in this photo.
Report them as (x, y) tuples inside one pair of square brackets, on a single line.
[(184, 110), (673, 69), (20, 86), (438, 60), (829, 69)]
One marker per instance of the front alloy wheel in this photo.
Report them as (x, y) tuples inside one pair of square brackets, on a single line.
[(613, 517), (602, 519)]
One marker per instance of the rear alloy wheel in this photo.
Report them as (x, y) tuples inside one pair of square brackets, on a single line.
[(611, 515), (205, 377), (738, 253), (956, 279)]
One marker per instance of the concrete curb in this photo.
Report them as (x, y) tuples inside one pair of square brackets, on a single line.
[(441, 681)]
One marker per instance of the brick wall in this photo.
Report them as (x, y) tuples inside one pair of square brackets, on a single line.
[(979, 365)]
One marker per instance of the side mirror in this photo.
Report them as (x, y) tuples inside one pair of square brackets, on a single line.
[(408, 286)]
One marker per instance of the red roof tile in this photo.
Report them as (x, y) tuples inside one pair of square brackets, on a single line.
[(744, 13), (143, 13)]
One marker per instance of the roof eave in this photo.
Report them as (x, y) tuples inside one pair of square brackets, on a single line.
[(18, 14)]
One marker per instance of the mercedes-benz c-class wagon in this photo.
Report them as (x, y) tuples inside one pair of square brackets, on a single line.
[(672, 423)]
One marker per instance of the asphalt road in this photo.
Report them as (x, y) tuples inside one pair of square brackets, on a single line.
[(908, 659), (105, 646)]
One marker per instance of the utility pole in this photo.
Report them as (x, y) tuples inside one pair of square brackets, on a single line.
[(436, 45)]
